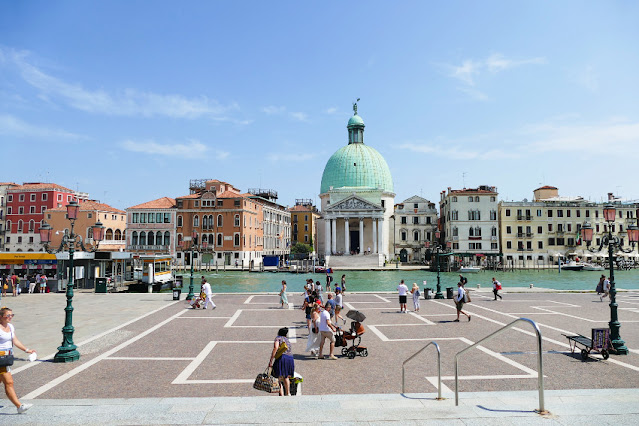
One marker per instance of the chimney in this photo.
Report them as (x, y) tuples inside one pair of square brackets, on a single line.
[(610, 197)]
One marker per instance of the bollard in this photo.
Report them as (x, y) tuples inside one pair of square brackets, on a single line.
[(531, 285), (478, 285)]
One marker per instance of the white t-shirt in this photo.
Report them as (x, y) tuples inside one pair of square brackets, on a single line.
[(403, 290), (338, 299), (606, 284), (206, 288), (325, 317), (6, 338), (460, 293)]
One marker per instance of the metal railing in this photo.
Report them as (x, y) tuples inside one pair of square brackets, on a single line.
[(439, 368), (540, 365)]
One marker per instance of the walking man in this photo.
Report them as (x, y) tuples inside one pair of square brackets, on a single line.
[(206, 289), (326, 329), (496, 288), (459, 301), (403, 291), (606, 289)]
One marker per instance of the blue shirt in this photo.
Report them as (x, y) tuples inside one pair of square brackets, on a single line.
[(331, 303)]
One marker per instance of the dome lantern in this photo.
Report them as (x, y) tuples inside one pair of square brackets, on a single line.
[(355, 127)]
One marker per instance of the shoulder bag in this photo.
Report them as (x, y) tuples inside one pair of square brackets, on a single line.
[(6, 357), (267, 383)]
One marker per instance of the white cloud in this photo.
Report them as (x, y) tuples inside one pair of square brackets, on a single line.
[(331, 110), (191, 149), (473, 93), (125, 102), (272, 109), (300, 116), (466, 71), (497, 62), (588, 78), (15, 127), (275, 157)]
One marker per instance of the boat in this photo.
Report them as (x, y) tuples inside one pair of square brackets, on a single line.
[(572, 266), (470, 269), (592, 267)]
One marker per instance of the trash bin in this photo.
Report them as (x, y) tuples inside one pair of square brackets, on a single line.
[(176, 293), (449, 292), (100, 285), (428, 293)]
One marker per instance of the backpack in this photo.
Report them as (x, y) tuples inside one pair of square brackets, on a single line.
[(498, 287), (417, 293)]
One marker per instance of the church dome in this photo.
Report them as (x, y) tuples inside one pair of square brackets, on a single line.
[(356, 165)]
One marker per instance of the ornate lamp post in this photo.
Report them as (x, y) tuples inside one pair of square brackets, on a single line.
[(193, 242), (67, 351), (612, 242), (438, 253)]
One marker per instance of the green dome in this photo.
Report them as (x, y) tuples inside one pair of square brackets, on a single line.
[(356, 165), (355, 120)]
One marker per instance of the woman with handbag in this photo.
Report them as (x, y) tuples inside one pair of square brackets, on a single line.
[(282, 361), (8, 340), (313, 338)]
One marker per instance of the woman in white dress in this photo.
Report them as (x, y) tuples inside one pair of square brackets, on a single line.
[(314, 336)]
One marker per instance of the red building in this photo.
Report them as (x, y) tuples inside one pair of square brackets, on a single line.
[(26, 205)]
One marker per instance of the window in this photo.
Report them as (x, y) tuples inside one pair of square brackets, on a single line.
[(474, 246), (32, 210), (237, 220), (569, 227), (305, 227), (455, 231), (568, 213), (493, 199), (142, 217), (219, 220), (142, 238), (236, 239), (205, 222), (493, 246), (415, 220), (470, 199), (529, 245), (151, 218), (540, 229), (560, 241), (196, 203), (550, 227), (151, 239), (10, 197), (20, 225), (33, 197), (383, 203), (454, 200), (551, 241), (403, 220), (179, 221), (578, 213), (560, 213), (21, 197), (20, 210), (416, 236), (549, 213), (219, 240), (196, 221), (571, 241), (306, 238), (455, 215), (509, 230), (135, 217), (455, 246), (587, 213), (493, 231), (167, 217), (403, 234), (507, 212), (474, 215), (493, 215), (220, 203), (560, 227), (538, 212)]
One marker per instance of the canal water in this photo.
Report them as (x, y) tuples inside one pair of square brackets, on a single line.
[(240, 282)]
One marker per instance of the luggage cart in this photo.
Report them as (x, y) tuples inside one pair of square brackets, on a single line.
[(600, 342)]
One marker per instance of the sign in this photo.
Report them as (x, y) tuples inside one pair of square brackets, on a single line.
[(601, 338)]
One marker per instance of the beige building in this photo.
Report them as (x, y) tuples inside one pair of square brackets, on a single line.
[(304, 216)]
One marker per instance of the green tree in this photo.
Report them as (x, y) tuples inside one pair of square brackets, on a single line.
[(301, 248)]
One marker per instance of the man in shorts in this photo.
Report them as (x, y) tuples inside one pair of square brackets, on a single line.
[(326, 329), (403, 291)]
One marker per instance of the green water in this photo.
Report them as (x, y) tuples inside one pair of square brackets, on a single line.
[(239, 282)]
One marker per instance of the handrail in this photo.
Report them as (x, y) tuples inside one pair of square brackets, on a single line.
[(540, 365), (439, 368)]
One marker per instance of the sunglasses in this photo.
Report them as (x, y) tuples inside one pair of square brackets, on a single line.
[(10, 315)]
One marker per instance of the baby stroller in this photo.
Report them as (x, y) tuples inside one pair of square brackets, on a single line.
[(198, 302), (354, 335)]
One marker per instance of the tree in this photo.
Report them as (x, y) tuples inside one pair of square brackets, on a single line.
[(301, 248)]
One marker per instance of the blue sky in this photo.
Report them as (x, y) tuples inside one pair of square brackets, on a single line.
[(128, 100)]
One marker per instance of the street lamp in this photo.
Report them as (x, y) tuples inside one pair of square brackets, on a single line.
[(193, 242), (438, 248), (612, 242), (67, 351)]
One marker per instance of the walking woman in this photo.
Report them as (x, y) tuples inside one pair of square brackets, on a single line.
[(282, 361), (283, 296), (415, 292), (313, 337), (8, 340), (343, 284)]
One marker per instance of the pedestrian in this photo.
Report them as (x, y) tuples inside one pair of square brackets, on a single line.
[(338, 297), (206, 289), (326, 328), (403, 291), (338, 309), (32, 283), (8, 340), (43, 283), (282, 361), (318, 290), (307, 307), (496, 288), (343, 283), (283, 297), (330, 305), (329, 280), (415, 292), (459, 301), (5, 286), (606, 289), (312, 345), (599, 288)]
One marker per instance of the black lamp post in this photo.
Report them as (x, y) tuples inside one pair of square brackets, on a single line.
[(438, 253), (67, 351), (612, 242)]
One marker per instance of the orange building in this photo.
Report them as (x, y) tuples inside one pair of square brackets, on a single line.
[(90, 212), (304, 217), (226, 224)]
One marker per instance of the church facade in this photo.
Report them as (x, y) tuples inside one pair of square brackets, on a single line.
[(357, 201)]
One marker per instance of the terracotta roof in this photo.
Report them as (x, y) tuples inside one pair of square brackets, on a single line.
[(189, 196), (91, 205), (39, 186), (301, 208), (8, 183), (546, 187), (231, 194), (160, 203)]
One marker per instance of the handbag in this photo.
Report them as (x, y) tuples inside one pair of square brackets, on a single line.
[(281, 349), (6, 356), (267, 383)]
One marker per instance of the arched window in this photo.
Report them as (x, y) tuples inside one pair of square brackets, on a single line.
[(219, 220), (471, 232), (134, 238), (9, 225), (205, 222), (219, 240), (167, 238), (211, 222), (196, 221), (179, 240), (415, 235), (236, 240), (31, 225), (179, 221), (237, 220), (493, 231), (20, 225), (455, 231), (151, 238), (109, 234), (212, 239), (158, 238), (142, 238), (478, 231), (118, 234)]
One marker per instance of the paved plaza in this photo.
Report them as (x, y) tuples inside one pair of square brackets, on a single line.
[(160, 362)]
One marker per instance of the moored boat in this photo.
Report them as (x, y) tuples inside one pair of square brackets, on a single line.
[(470, 269), (572, 266)]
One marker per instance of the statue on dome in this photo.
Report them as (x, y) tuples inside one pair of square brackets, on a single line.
[(355, 106)]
